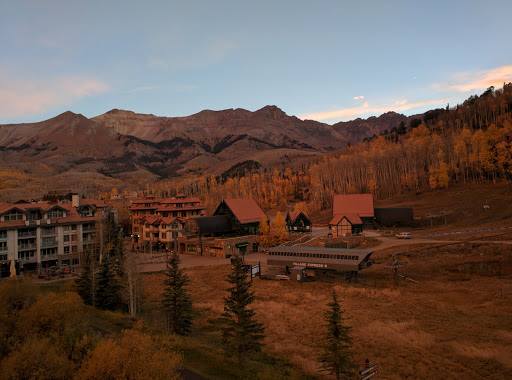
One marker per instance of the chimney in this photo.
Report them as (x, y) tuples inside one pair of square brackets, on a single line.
[(75, 200)]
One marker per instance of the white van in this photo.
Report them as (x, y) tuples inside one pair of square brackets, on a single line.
[(404, 235)]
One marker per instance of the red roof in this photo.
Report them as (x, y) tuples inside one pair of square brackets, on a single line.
[(155, 219), (295, 214), (359, 204), (98, 203), (352, 218), (246, 210)]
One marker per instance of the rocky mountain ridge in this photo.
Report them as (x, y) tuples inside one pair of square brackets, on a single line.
[(210, 141)]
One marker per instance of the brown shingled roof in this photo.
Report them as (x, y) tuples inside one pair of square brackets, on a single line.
[(295, 214), (360, 204), (246, 210)]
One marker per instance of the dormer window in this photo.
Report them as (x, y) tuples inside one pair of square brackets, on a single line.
[(147, 204), (13, 215), (54, 214), (34, 215), (179, 205)]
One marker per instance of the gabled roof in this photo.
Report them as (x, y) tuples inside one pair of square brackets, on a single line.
[(360, 204), (246, 210), (352, 218), (98, 203), (293, 215), (156, 219)]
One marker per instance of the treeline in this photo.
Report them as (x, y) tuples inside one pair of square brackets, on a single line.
[(469, 143)]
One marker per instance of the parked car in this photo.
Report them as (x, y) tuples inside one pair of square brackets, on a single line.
[(404, 235)]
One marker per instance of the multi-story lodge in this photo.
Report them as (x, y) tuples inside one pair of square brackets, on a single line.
[(159, 222), (48, 234)]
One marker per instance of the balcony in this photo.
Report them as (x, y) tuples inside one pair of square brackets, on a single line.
[(53, 243), (49, 257), (26, 234), (26, 247)]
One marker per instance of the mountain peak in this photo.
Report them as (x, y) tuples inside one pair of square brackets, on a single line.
[(272, 112)]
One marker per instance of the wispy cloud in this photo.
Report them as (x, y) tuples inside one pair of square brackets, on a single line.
[(358, 97), (23, 98), (477, 80), (367, 108), (140, 89)]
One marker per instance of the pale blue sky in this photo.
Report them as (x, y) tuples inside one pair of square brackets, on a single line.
[(310, 58)]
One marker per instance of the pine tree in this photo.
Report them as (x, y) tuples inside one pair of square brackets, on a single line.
[(241, 333), (86, 281), (107, 290), (176, 302), (337, 357), (112, 240)]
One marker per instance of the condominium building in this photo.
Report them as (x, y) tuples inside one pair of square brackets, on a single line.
[(47, 234), (158, 222)]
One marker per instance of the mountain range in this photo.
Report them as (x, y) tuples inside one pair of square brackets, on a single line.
[(209, 142)]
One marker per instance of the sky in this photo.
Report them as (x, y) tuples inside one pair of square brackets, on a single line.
[(323, 60)]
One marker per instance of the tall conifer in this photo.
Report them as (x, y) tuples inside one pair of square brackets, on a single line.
[(241, 332), (108, 288), (176, 302), (336, 358)]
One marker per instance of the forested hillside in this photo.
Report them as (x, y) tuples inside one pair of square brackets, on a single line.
[(468, 143)]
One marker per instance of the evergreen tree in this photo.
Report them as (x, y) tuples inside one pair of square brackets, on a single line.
[(241, 333), (86, 281), (337, 357), (112, 240), (108, 289), (176, 302)]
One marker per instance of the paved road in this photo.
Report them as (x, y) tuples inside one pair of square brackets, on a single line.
[(156, 262)]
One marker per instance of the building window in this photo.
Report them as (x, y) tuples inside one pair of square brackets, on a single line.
[(66, 228), (73, 227), (3, 234), (3, 246), (175, 214), (164, 235), (66, 238), (74, 249), (147, 234), (26, 233), (74, 262), (183, 214), (73, 237), (54, 214), (34, 215), (179, 205), (147, 225), (163, 226), (48, 231), (13, 215), (66, 250), (27, 255), (135, 229)]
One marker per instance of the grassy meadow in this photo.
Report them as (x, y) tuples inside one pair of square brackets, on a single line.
[(455, 322)]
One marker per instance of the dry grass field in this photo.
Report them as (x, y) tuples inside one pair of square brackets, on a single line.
[(456, 322)]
